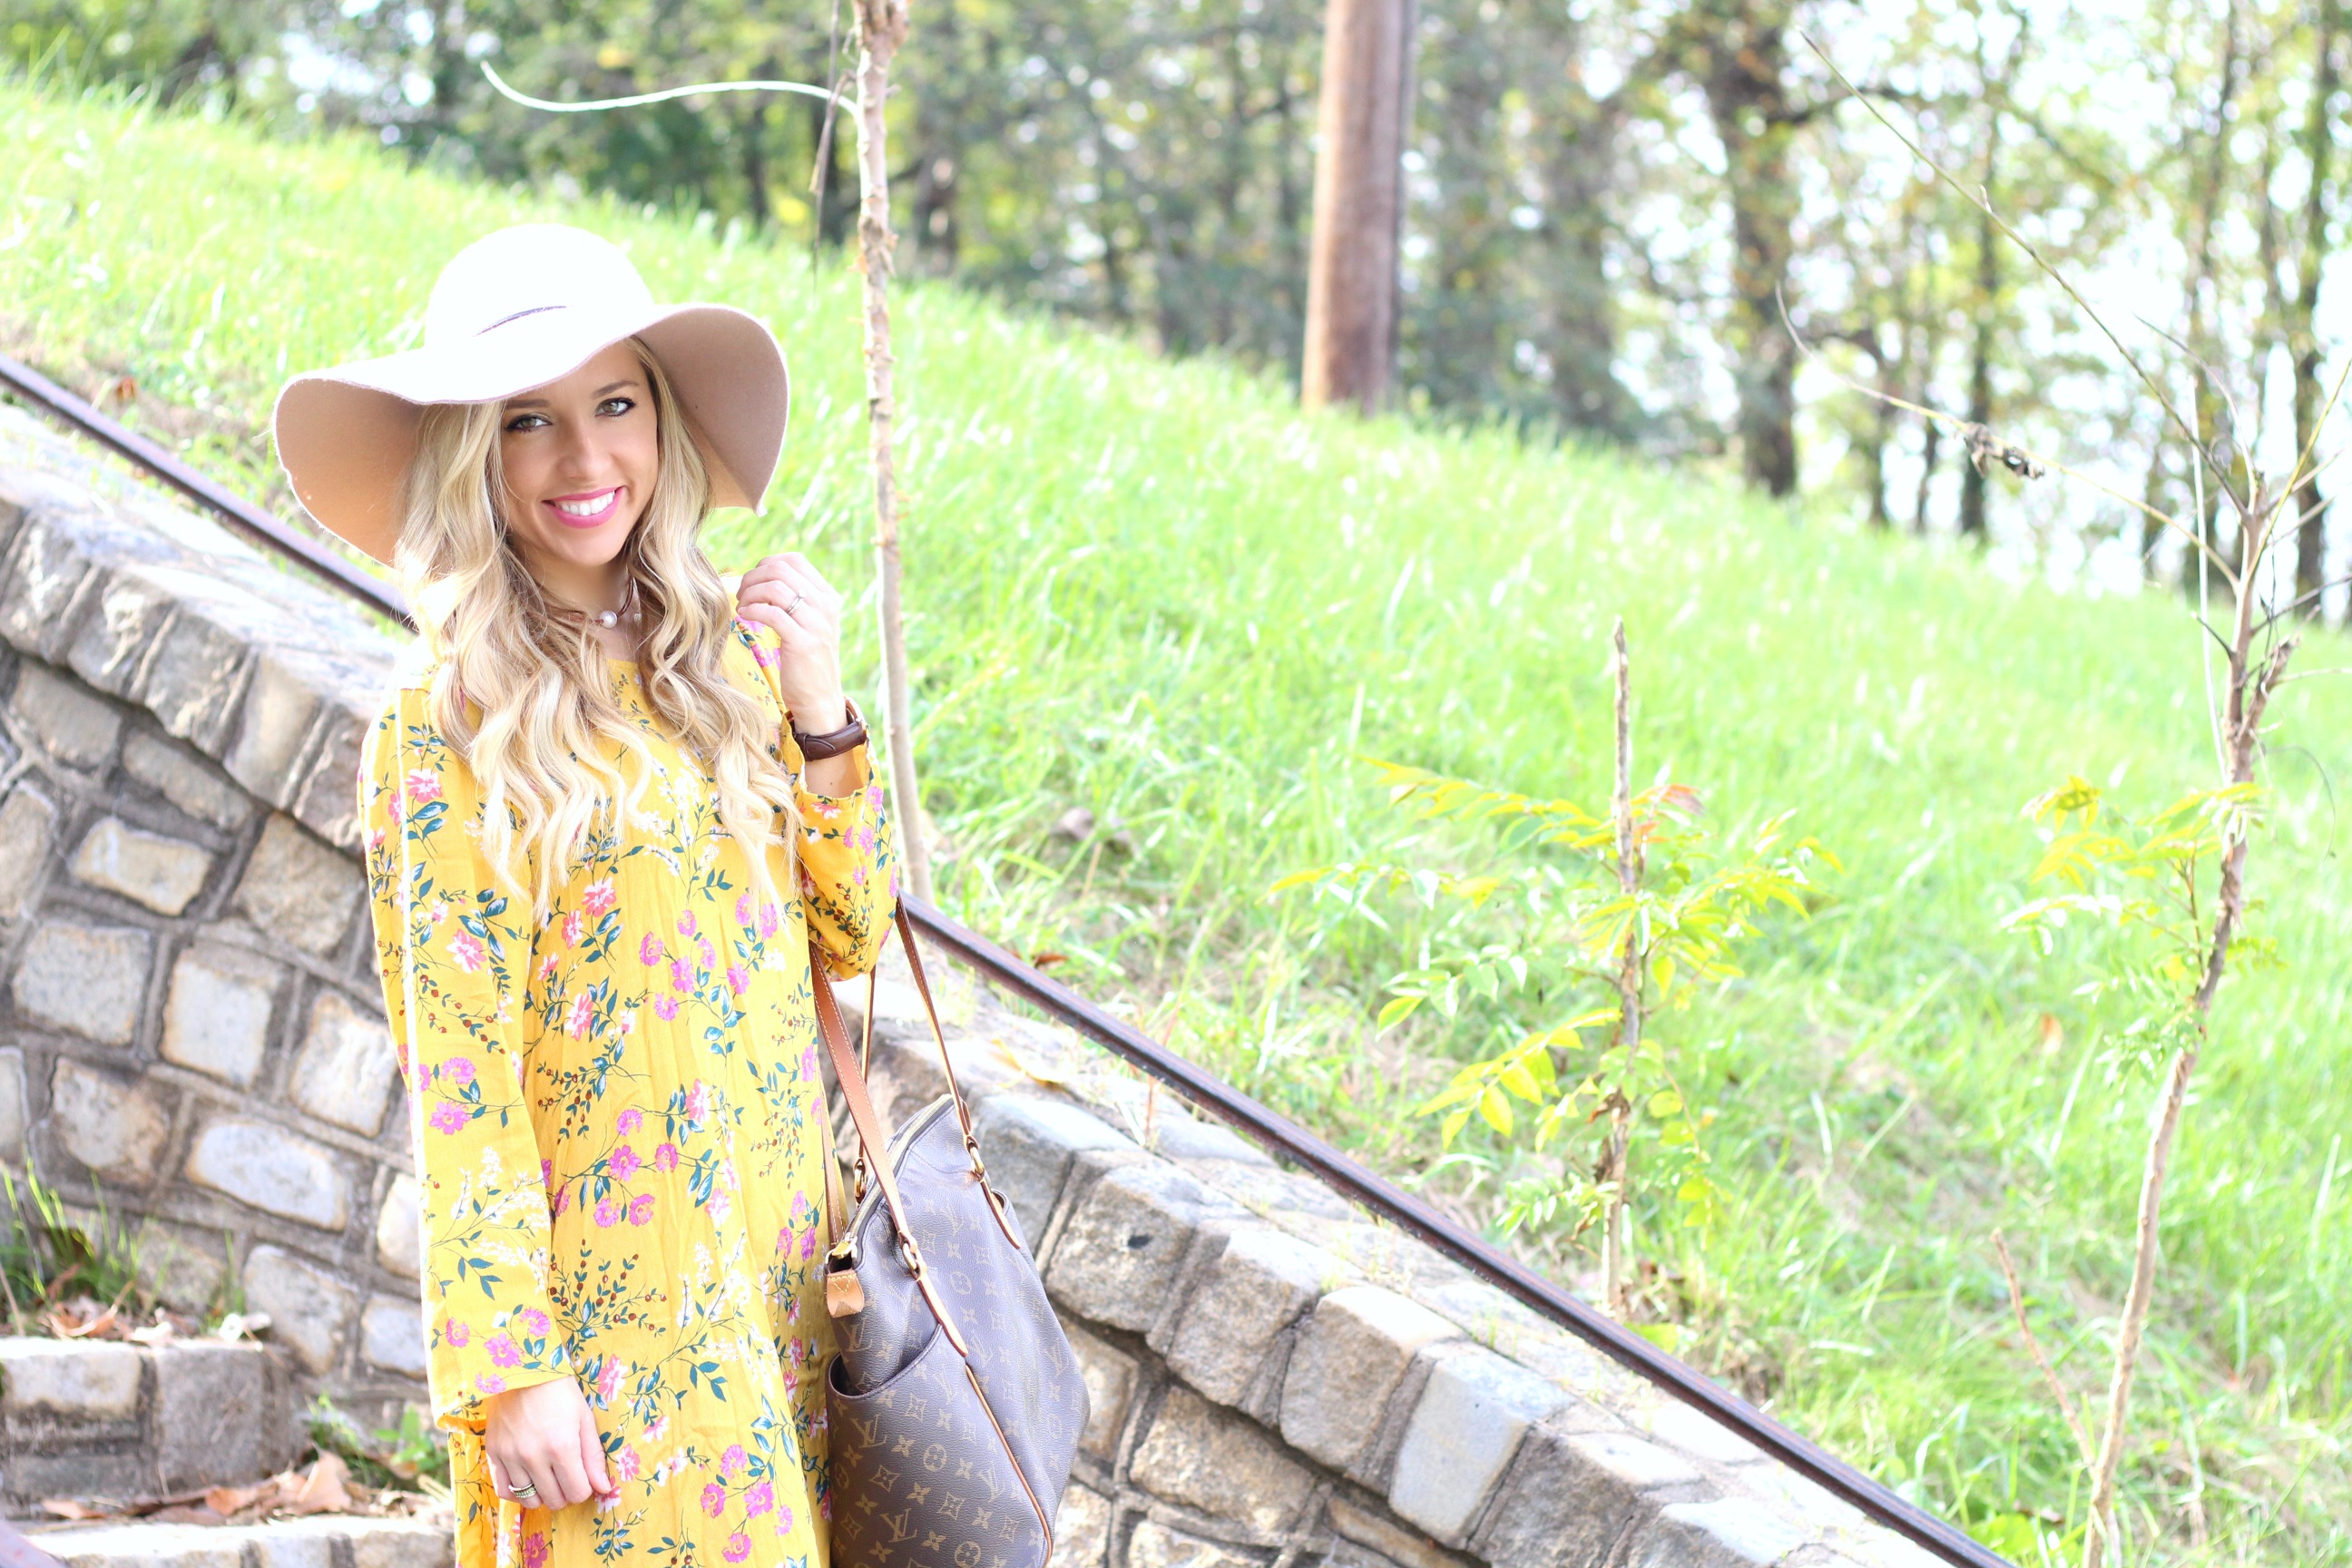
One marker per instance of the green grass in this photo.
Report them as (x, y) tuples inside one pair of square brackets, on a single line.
[(1155, 591)]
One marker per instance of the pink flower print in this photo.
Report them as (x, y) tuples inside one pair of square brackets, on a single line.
[(641, 1208), (422, 787), (622, 1163), (770, 918), (738, 979), (562, 1203), (608, 1379), (628, 1122), (533, 1320), (582, 1017), (733, 1459), (657, 1429), (808, 1064), (599, 899), (808, 1244), (743, 910), (665, 1008), (874, 796), (681, 975), (710, 954), (697, 1102), (721, 1206), (738, 1547), (714, 1499), (503, 1351), (547, 968), (456, 1333), (459, 1071), (625, 1464), (607, 1214), (626, 1023), (534, 1550), (575, 926), (785, 1516), (447, 1117), (440, 914), (547, 1174), (467, 954), (489, 1382), (665, 1157), (392, 808), (686, 923), (759, 1500), (650, 952)]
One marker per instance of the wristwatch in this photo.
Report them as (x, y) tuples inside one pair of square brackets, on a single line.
[(833, 742)]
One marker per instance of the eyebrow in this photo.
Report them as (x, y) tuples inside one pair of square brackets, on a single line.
[(606, 390)]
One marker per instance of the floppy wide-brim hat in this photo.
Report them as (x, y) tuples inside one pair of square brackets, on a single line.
[(516, 310)]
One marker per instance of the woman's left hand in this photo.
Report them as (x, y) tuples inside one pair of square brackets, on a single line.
[(787, 593)]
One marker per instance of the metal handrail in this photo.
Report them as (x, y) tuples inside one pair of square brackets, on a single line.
[(1278, 1133)]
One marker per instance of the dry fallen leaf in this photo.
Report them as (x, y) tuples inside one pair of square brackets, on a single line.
[(73, 1507), (323, 1491), (227, 1500)]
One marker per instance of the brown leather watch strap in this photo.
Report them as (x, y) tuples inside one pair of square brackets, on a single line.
[(833, 742)]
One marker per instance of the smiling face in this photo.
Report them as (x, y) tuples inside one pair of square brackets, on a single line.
[(579, 455)]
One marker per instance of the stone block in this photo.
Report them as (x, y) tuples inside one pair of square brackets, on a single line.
[(194, 680), (12, 1105), (174, 773), (116, 1470), (398, 1244), (78, 1383), (217, 1418), (1119, 1257), (28, 825), (1155, 1545), (1464, 1429), (1223, 1465), (1028, 1145), (392, 1335), (1081, 1529), (73, 724), (346, 1065), (297, 890), (1688, 1430), (1180, 1137), (1258, 1289), (1731, 1532), (281, 700), (296, 1543), (1376, 1538), (117, 630), (327, 800), (39, 586), (1352, 1354), (216, 1015), (115, 1129), (399, 1543), (1572, 1496), (183, 1268), (310, 1310), (271, 1168), (145, 1544), (1110, 1387), (89, 980), (165, 874)]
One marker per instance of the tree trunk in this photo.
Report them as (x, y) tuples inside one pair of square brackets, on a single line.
[(1973, 477), (1352, 280), (881, 28), (2213, 411), (939, 124), (1616, 1240), (2302, 338), (1746, 56)]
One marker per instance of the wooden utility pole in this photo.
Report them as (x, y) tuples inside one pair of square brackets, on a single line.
[(881, 28), (1351, 270)]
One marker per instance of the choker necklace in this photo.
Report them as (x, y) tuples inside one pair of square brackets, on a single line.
[(608, 619)]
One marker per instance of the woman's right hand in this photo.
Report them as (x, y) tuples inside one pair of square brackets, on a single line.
[(542, 1445)]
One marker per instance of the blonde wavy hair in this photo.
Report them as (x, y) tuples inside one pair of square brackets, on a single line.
[(524, 698)]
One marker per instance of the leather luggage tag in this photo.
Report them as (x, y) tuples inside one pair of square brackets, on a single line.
[(844, 1296)]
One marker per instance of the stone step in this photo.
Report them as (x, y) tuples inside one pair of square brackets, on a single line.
[(322, 1541), (101, 1419)]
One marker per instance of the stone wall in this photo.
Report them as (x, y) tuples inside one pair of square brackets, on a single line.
[(190, 1021)]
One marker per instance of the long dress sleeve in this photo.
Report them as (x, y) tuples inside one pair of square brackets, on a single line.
[(846, 856), (455, 950)]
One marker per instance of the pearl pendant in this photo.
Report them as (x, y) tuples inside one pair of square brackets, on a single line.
[(608, 619)]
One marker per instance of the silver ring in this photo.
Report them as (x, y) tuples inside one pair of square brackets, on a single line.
[(798, 600), (524, 1491)]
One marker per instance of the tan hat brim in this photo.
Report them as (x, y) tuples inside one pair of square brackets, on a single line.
[(345, 437)]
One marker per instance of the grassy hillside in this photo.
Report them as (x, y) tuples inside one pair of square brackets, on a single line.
[(1156, 592)]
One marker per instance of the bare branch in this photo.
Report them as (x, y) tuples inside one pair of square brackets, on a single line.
[(636, 99), (2033, 1349)]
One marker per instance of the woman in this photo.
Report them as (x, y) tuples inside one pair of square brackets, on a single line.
[(605, 810)]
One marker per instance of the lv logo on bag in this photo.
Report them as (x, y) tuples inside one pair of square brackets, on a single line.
[(956, 1400)]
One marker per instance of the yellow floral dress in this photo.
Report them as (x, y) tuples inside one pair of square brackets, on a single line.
[(621, 1137)]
